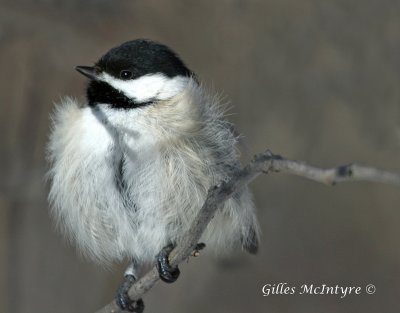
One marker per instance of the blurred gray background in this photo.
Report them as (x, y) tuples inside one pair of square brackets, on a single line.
[(311, 80)]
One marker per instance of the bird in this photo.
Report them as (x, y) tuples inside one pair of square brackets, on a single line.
[(131, 166)]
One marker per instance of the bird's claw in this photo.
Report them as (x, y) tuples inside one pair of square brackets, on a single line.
[(167, 273), (123, 300)]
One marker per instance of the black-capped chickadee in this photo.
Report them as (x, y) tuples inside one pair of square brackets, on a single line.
[(131, 168)]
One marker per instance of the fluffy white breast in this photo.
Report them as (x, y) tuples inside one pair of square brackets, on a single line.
[(167, 155), (148, 87)]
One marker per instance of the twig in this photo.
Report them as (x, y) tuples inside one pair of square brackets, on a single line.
[(263, 163)]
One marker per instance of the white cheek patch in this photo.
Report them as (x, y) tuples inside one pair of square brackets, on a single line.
[(149, 87)]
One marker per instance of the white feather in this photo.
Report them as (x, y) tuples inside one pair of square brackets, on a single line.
[(169, 153), (148, 87)]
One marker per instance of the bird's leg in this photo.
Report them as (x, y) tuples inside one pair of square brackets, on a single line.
[(167, 273), (122, 299)]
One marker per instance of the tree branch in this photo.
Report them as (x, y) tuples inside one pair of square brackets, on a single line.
[(265, 162)]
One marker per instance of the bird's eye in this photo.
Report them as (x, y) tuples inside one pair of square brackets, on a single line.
[(125, 74)]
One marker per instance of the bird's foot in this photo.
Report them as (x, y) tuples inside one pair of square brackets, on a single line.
[(167, 273), (123, 300)]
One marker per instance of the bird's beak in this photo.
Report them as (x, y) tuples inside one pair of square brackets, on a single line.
[(88, 71)]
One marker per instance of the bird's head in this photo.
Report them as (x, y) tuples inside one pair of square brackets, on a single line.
[(135, 74)]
